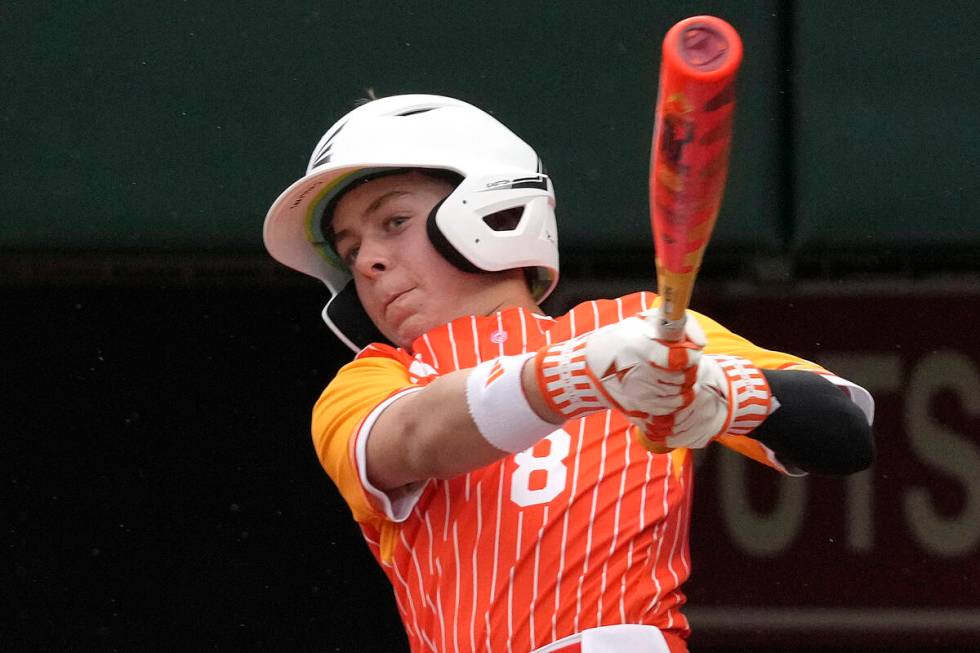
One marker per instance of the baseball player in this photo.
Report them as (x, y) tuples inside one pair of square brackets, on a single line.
[(523, 480)]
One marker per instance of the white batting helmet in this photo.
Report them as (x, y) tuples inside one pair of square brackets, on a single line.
[(499, 171)]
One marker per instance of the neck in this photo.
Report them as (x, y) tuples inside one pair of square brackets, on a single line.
[(510, 293)]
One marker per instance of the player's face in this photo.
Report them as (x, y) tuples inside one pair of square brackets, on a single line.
[(404, 284)]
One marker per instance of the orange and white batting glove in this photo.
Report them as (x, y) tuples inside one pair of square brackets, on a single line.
[(622, 366), (730, 396)]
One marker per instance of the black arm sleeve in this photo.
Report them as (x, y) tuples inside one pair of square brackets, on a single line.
[(816, 428)]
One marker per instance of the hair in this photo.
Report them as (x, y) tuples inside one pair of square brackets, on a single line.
[(369, 96)]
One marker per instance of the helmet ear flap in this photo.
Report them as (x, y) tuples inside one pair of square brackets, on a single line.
[(346, 317), (442, 244)]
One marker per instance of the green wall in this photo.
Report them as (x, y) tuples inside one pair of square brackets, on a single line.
[(138, 125), (887, 128)]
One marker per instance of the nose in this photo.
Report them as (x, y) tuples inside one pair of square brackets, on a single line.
[(372, 260)]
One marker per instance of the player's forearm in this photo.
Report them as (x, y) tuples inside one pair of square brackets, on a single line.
[(816, 428), (432, 433)]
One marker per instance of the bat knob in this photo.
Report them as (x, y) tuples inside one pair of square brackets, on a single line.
[(703, 47), (668, 329)]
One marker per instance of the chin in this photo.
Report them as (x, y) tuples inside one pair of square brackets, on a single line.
[(407, 333), (413, 327)]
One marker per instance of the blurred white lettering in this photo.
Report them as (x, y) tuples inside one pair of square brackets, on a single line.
[(878, 374), (760, 534), (945, 450)]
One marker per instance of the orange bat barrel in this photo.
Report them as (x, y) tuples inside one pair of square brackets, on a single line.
[(689, 155)]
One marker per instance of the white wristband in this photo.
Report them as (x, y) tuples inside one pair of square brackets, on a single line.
[(499, 407)]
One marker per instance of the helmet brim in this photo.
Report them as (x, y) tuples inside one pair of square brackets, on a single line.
[(292, 231)]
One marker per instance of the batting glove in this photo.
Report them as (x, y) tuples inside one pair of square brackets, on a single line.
[(622, 366), (730, 396)]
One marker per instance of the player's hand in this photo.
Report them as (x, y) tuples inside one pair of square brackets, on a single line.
[(623, 366), (730, 396)]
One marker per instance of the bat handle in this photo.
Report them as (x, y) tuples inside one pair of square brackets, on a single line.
[(668, 329)]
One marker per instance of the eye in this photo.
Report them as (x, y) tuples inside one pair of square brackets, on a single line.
[(350, 256), (396, 221)]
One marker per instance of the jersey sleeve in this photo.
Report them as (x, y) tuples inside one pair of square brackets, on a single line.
[(722, 341), (342, 420)]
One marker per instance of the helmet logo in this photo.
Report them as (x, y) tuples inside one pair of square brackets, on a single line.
[(537, 181), (324, 155), (299, 198)]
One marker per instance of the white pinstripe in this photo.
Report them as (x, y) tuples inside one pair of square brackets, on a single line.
[(670, 613), (646, 485), (476, 548), (520, 532), (442, 619), (564, 533), (445, 525), (510, 585), (537, 324), (523, 348), (588, 541), (479, 359), (618, 511), (683, 512), (534, 584), (496, 549), (655, 536), (670, 559), (476, 339), (539, 319), (486, 620), (622, 585), (456, 576), (432, 351), (401, 607), (452, 346), (661, 527), (500, 328), (411, 605), (510, 612), (428, 526), (685, 509), (426, 599)]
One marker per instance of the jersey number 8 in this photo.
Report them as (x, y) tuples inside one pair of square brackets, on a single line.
[(539, 479)]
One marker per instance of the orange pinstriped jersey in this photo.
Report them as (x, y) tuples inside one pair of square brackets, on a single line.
[(584, 529)]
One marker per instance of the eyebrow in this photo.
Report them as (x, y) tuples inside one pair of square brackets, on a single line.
[(374, 206)]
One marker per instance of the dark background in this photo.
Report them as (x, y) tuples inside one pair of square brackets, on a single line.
[(159, 487)]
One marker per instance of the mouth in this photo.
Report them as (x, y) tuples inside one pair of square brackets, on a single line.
[(396, 296)]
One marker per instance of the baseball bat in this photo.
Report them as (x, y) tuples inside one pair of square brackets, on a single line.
[(689, 155)]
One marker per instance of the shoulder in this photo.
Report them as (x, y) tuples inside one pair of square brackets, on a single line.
[(379, 350), (359, 390), (375, 370), (592, 314)]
